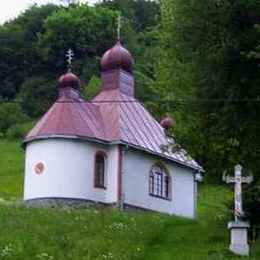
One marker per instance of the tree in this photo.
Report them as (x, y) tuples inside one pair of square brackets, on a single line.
[(79, 28), (19, 57), (143, 14), (203, 60), (10, 114), (37, 95), (210, 58)]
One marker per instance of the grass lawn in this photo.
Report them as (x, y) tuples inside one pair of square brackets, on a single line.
[(82, 234), (11, 169)]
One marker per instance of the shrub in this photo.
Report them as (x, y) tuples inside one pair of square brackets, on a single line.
[(19, 131), (10, 114), (37, 94)]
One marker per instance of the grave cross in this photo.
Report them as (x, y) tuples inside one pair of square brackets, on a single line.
[(238, 180), (69, 55)]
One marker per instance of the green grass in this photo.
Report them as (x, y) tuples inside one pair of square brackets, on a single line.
[(82, 234), (11, 169)]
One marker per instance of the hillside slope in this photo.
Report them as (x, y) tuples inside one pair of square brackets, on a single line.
[(60, 234)]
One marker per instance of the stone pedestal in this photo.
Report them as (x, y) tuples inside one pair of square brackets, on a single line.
[(239, 241)]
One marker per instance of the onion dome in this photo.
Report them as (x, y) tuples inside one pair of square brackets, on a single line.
[(167, 122), (117, 58), (69, 80)]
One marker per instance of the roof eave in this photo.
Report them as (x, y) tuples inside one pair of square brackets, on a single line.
[(197, 169), (107, 142)]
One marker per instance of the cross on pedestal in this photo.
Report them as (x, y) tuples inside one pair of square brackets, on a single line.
[(238, 180)]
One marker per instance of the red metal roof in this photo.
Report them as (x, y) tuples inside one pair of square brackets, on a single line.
[(111, 117), (114, 116)]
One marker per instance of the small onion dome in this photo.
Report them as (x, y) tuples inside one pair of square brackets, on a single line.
[(117, 58), (69, 80), (167, 122)]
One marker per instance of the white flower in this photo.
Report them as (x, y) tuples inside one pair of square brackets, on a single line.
[(107, 256), (6, 250), (118, 226), (45, 256)]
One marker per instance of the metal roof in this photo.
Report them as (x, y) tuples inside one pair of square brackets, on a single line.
[(114, 116), (111, 117)]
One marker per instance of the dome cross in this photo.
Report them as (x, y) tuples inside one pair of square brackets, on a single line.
[(70, 57)]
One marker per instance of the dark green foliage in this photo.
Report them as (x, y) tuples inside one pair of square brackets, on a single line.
[(252, 208), (205, 61), (10, 114), (33, 47), (19, 57), (19, 131), (142, 14), (92, 89), (37, 95), (79, 28), (210, 58)]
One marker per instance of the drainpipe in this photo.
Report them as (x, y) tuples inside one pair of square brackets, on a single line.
[(121, 154), (120, 177), (198, 178)]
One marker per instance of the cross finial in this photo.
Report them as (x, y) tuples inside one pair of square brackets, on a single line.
[(119, 27), (69, 55)]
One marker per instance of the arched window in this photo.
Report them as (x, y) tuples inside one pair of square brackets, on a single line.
[(159, 182), (100, 170)]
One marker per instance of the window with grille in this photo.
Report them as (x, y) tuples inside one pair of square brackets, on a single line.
[(100, 170), (159, 182)]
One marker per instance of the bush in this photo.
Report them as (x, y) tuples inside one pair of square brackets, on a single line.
[(37, 95), (19, 131), (252, 208), (10, 114)]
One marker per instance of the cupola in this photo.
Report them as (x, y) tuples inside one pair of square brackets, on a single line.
[(168, 123), (69, 80), (117, 58), (117, 70)]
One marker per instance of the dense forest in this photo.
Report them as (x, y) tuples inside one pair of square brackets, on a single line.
[(196, 60)]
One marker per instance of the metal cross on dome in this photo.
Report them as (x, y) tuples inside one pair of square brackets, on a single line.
[(238, 180), (70, 56)]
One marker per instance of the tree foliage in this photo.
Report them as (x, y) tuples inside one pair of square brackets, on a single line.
[(205, 61), (33, 47), (210, 59), (10, 114), (19, 57)]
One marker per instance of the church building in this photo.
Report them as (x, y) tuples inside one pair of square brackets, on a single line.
[(109, 150)]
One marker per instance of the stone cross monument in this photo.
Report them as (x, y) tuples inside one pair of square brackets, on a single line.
[(239, 241)]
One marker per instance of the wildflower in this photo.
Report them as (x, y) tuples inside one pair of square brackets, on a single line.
[(107, 256), (6, 250), (44, 256), (118, 226)]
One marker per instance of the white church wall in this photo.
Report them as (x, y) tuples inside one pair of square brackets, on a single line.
[(68, 170), (136, 168)]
